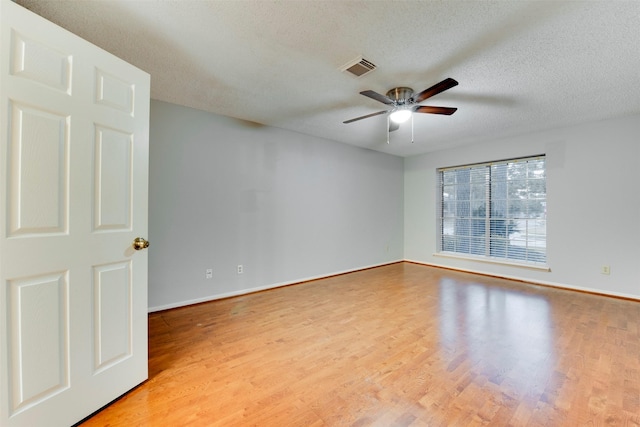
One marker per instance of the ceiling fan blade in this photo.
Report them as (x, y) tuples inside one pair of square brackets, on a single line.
[(393, 126), (375, 95), (365, 117), (435, 89), (435, 110)]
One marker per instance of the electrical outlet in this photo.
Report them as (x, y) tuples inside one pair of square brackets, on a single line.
[(208, 273), (240, 269), (605, 270)]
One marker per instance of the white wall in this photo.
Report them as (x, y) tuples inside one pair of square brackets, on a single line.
[(284, 205), (291, 207), (593, 204)]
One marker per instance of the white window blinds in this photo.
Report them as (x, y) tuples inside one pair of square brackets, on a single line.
[(495, 210)]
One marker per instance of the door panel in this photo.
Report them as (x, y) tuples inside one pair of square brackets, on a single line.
[(113, 174), (38, 171), (73, 197), (112, 333), (38, 320), (114, 92), (40, 63)]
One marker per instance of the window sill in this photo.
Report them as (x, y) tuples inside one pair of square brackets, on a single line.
[(539, 267)]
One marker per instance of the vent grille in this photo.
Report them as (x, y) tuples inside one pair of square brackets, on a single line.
[(359, 67)]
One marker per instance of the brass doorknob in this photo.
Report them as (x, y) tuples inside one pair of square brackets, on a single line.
[(139, 243)]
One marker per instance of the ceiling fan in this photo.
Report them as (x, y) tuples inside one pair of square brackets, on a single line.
[(403, 102)]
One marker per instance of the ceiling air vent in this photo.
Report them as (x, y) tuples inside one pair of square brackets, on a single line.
[(359, 67)]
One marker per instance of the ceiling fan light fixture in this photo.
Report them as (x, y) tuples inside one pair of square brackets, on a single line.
[(400, 115)]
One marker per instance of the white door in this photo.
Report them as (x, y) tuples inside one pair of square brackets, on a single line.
[(73, 196)]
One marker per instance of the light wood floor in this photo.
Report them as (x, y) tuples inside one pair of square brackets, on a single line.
[(398, 345)]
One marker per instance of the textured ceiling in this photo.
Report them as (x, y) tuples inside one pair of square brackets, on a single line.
[(522, 65)]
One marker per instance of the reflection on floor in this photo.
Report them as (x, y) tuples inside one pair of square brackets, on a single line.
[(402, 344)]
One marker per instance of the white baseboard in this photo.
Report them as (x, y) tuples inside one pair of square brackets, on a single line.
[(534, 282), (323, 276), (262, 288)]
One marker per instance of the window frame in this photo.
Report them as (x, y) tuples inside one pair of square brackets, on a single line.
[(484, 232)]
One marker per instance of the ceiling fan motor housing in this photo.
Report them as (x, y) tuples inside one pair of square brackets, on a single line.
[(401, 95)]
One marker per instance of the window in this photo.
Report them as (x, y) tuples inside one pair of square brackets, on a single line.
[(495, 210)]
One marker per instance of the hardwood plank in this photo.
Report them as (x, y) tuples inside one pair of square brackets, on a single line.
[(403, 344)]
